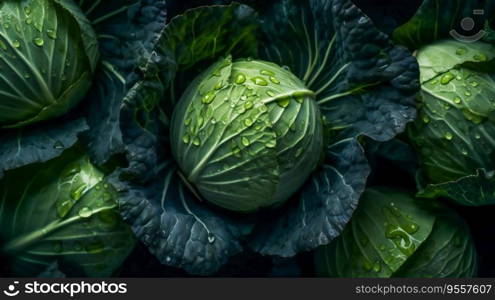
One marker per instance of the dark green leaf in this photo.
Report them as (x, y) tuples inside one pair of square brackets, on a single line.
[(22, 147), (364, 84), (439, 19)]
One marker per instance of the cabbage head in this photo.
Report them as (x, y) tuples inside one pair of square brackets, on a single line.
[(392, 234), (246, 134), (48, 53), (62, 212), (455, 129)]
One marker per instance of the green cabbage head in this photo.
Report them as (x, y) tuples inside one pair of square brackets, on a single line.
[(455, 129), (48, 53), (246, 134)]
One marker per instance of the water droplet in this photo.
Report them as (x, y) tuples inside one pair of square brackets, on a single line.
[(197, 141), (240, 78), (248, 122), (236, 151), (219, 85), (95, 247), (446, 78), (85, 212), (467, 93), (63, 207), (241, 110), (377, 267), (477, 136), (401, 239), (29, 21), (284, 102), (270, 93), (464, 152), (480, 57), (449, 136), (27, 10), (245, 141), (274, 80), (259, 81), (426, 120), (187, 121), (3, 46), (263, 108), (51, 34), (77, 192), (461, 51), (367, 266), (271, 143), (267, 73), (382, 247), (38, 41), (211, 238), (16, 44), (209, 97), (474, 83), (186, 138), (457, 100), (411, 228), (6, 25), (248, 105), (201, 121)]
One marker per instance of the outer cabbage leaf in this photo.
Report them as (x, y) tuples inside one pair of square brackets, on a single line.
[(436, 19), (22, 147), (394, 235), (126, 30), (64, 211), (363, 83)]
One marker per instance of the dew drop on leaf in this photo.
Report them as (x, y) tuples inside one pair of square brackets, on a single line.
[(283, 102), (245, 141), (446, 78), (63, 207), (267, 73), (85, 212), (240, 78), (271, 143), (259, 81)]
